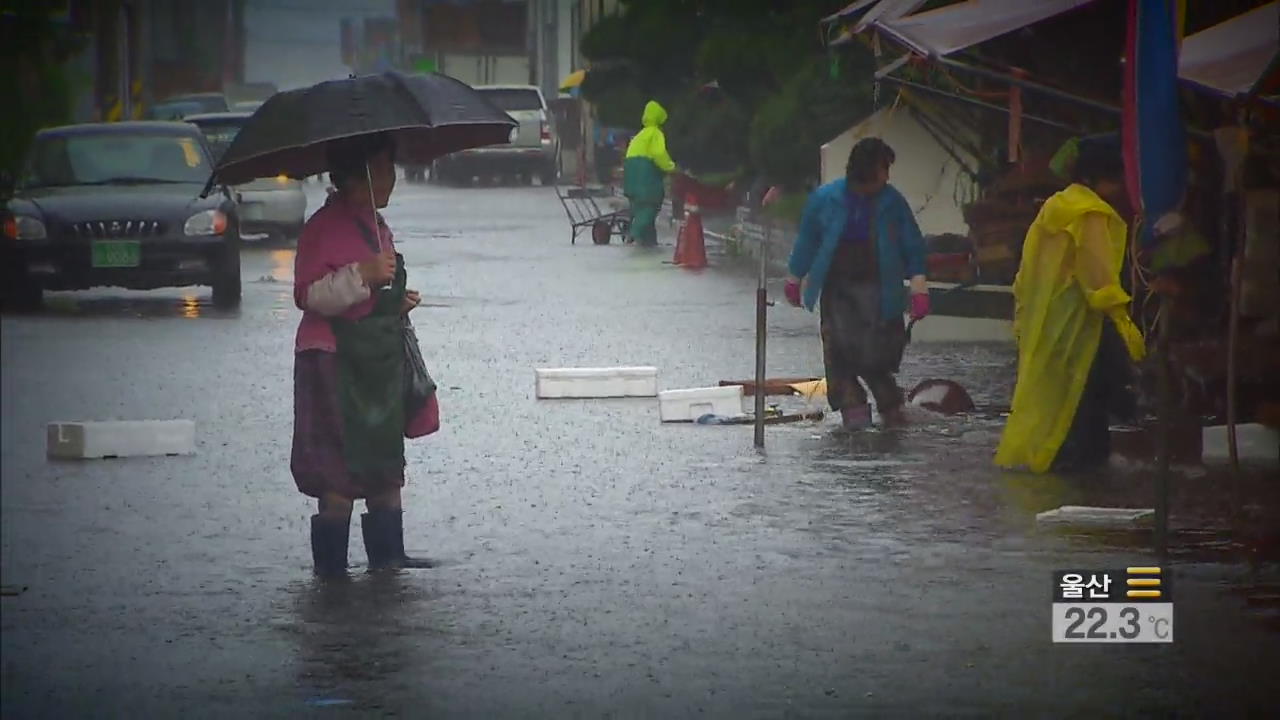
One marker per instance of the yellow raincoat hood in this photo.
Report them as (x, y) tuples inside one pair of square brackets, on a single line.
[(650, 142), (654, 114), (1068, 283)]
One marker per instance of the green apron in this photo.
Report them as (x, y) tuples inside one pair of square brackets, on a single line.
[(371, 388)]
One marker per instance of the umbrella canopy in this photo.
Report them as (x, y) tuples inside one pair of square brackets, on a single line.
[(573, 80), (428, 115)]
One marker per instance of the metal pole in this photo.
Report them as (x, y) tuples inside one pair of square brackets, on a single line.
[(1233, 345), (123, 51), (1029, 85), (1165, 400), (979, 103), (762, 300)]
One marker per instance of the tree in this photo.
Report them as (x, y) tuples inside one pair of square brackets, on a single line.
[(32, 72), (776, 100), (816, 105)]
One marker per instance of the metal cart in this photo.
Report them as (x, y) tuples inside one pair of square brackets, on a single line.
[(584, 212)]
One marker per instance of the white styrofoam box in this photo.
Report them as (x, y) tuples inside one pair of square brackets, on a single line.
[(1253, 441), (1097, 517), (123, 438), (692, 403), (610, 382)]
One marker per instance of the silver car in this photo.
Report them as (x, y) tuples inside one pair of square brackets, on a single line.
[(276, 207), (533, 151)]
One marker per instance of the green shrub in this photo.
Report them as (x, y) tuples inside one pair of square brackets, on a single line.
[(813, 108), (707, 133)]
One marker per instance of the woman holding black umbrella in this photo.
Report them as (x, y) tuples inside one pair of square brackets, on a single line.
[(342, 270), (360, 386)]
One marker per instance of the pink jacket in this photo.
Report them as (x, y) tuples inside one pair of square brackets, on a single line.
[(326, 284), (325, 280)]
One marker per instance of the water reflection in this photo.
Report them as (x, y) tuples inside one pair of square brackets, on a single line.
[(149, 304), (354, 635), (282, 265), (190, 306)]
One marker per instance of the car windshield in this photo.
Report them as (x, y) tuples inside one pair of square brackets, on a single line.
[(508, 99), (115, 158), (219, 134)]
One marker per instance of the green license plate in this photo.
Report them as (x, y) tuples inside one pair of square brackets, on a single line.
[(117, 253)]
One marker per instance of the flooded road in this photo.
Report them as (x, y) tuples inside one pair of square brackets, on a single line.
[(595, 561)]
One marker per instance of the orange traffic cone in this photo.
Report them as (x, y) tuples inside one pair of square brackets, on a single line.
[(691, 248)]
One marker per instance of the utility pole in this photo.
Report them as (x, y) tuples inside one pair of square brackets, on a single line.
[(123, 52)]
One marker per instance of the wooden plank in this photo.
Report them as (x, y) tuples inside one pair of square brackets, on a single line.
[(772, 386), (782, 419)]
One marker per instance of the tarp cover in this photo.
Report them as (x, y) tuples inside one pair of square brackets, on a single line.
[(956, 27), (933, 182), (1231, 57), (848, 11)]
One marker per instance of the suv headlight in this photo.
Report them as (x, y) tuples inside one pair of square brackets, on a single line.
[(209, 222), (24, 227)]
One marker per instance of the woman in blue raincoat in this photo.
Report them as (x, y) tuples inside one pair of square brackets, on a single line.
[(858, 240), (643, 170)]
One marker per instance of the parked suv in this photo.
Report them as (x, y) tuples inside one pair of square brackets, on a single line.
[(533, 151), (276, 206)]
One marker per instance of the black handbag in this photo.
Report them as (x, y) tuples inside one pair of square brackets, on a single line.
[(418, 385)]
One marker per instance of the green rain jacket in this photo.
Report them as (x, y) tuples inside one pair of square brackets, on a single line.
[(647, 158)]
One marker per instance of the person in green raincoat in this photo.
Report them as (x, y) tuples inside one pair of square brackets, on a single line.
[(646, 163)]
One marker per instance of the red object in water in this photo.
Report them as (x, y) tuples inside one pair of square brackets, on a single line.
[(691, 248), (943, 396), (709, 198)]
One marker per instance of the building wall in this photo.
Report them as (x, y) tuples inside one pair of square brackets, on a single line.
[(296, 43), (589, 12)]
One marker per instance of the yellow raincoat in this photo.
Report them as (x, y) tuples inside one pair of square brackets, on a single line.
[(650, 142), (1069, 280)]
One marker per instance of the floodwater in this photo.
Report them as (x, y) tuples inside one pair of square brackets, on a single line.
[(596, 562)]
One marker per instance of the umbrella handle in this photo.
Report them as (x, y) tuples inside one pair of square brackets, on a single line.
[(373, 204)]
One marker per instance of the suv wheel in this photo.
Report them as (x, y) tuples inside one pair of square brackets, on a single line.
[(22, 294), (549, 174), (226, 284)]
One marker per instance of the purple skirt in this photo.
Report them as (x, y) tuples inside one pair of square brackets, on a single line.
[(318, 463)]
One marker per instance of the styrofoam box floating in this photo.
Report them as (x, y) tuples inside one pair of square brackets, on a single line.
[(123, 438), (690, 404), (1098, 517), (1253, 441), (611, 382)]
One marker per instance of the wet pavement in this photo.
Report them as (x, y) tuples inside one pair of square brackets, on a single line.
[(596, 562)]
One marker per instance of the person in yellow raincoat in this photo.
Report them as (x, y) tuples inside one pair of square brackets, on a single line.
[(643, 169), (1075, 338)]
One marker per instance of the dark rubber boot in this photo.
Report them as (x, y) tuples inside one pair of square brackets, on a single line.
[(856, 418), (895, 417), (384, 541), (329, 545)]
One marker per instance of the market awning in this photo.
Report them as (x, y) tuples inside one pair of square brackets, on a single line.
[(849, 10), (1231, 57), (955, 27)]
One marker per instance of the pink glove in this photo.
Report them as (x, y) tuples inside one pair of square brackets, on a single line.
[(793, 293), (919, 306)]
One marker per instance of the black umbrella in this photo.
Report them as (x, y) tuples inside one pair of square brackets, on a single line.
[(428, 115)]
